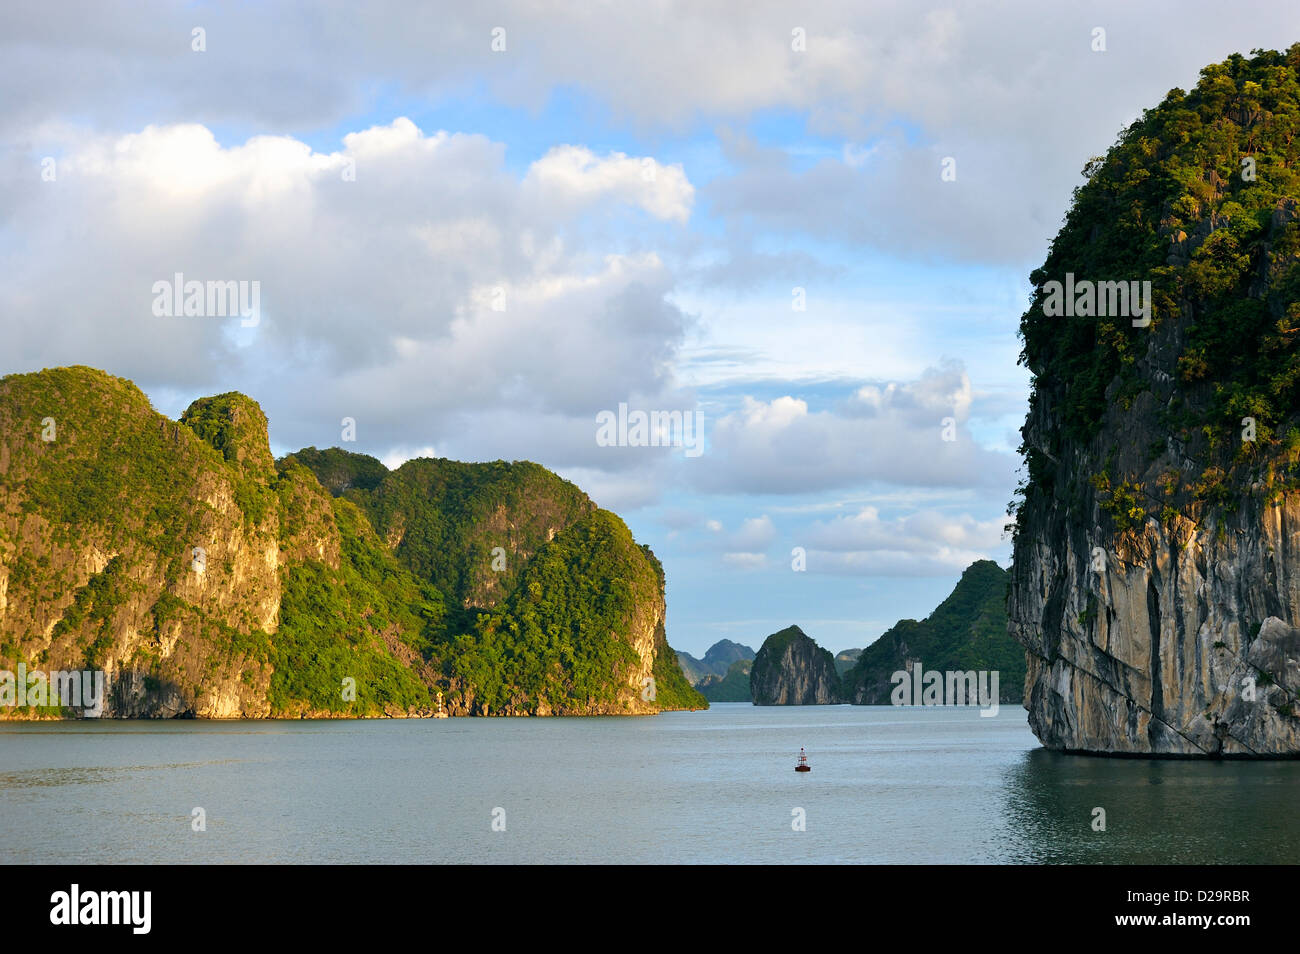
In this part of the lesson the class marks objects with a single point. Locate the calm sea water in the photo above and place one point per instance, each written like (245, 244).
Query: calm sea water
(888, 785)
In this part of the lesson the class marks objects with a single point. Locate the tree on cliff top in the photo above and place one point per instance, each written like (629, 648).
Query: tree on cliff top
(1201, 197)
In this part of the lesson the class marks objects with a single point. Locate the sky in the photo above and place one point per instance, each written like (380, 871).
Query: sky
(476, 228)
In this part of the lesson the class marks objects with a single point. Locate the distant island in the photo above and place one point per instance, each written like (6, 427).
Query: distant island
(790, 669)
(209, 580)
(717, 661)
(967, 632)
(731, 687)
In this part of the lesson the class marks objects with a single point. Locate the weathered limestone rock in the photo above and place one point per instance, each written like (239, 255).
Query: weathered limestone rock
(1172, 638)
(792, 670)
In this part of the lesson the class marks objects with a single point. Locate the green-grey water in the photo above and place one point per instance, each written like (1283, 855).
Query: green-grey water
(888, 785)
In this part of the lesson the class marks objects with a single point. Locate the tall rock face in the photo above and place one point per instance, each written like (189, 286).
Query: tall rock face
(155, 550)
(209, 580)
(790, 669)
(967, 632)
(1156, 577)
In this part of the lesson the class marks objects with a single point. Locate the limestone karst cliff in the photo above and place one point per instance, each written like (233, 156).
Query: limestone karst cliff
(209, 580)
(790, 669)
(967, 632)
(1156, 576)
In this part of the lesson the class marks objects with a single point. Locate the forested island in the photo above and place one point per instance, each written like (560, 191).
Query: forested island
(208, 579)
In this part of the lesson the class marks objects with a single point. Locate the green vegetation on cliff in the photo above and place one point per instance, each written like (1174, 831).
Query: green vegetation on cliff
(447, 518)
(567, 627)
(544, 585)
(672, 691)
(367, 620)
(1176, 170)
(1152, 553)
(181, 557)
(733, 687)
(778, 642)
(339, 470)
(1200, 197)
(234, 426)
(967, 631)
(92, 447)
(564, 630)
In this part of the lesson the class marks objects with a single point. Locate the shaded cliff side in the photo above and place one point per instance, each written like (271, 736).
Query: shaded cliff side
(966, 632)
(846, 660)
(732, 687)
(1156, 577)
(790, 669)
